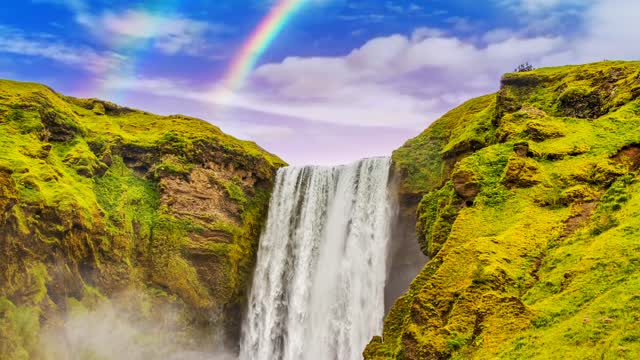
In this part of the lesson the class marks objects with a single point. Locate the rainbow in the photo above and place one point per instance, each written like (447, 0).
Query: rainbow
(233, 78)
(246, 59)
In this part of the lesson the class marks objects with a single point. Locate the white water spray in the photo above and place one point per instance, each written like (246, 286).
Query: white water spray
(318, 289)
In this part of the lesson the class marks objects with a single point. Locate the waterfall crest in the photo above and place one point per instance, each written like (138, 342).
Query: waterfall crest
(318, 288)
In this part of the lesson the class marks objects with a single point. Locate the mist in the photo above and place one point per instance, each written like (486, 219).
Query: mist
(122, 328)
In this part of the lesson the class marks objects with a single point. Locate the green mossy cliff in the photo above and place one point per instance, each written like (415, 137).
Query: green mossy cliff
(528, 209)
(98, 200)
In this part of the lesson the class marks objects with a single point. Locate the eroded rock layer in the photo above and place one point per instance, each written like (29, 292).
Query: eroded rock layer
(99, 200)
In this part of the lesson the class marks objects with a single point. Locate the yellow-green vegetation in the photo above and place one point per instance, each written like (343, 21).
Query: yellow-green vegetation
(98, 199)
(529, 211)
(19, 327)
(422, 160)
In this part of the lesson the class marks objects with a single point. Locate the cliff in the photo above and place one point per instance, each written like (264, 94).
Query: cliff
(100, 200)
(528, 208)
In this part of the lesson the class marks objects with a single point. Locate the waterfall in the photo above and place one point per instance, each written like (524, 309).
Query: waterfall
(318, 288)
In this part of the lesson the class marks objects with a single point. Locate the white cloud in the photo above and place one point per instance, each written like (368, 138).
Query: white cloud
(395, 80)
(498, 35)
(14, 41)
(406, 81)
(613, 31)
(426, 32)
(169, 33)
(537, 7)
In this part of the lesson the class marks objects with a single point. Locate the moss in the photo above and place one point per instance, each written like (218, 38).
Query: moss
(437, 211)
(611, 202)
(83, 161)
(25, 121)
(98, 109)
(243, 254)
(540, 130)
(234, 190)
(592, 306)
(172, 166)
(19, 328)
(421, 160)
(521, 172)
(544, 260)
(87, 212)
(456, 341)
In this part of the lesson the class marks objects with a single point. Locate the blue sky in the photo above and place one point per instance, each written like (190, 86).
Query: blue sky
(345, 79)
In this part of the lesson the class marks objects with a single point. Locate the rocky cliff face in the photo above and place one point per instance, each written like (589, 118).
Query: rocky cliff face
(99, 200)
(528, 205)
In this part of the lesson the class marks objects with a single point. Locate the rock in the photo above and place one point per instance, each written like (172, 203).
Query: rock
(580, 102)
(44, 151)
(628, 156)
(532, 112)
(200, 196)
(8, 192)
(83, 216)
(495, 287)
(603, 173)
(107, 159)
(98, 109)
(539, 130)
(466, 184)
(521, 172)
(521, 149)
(59, 127)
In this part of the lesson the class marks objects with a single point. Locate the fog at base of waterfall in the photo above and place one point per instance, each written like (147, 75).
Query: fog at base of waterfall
(318, 288)
(117, 328)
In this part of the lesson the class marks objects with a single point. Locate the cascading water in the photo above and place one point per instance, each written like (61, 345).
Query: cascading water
(318, 289)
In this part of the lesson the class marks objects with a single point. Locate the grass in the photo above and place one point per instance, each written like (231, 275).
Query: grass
(540, 265)
(86, 210)
(461, 130)
(19, 326)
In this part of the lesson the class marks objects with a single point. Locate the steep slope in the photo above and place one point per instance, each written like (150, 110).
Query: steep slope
(528, 208)
(99, 200)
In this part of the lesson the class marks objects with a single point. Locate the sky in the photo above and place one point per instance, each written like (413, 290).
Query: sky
(341, 80)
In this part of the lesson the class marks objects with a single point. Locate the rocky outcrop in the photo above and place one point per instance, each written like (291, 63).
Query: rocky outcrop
(521, 172)
(531, 227)
(466, 185)
(100, 200)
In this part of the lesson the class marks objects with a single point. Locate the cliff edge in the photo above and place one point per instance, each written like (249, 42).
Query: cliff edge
(100, 201)
(529, 209)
